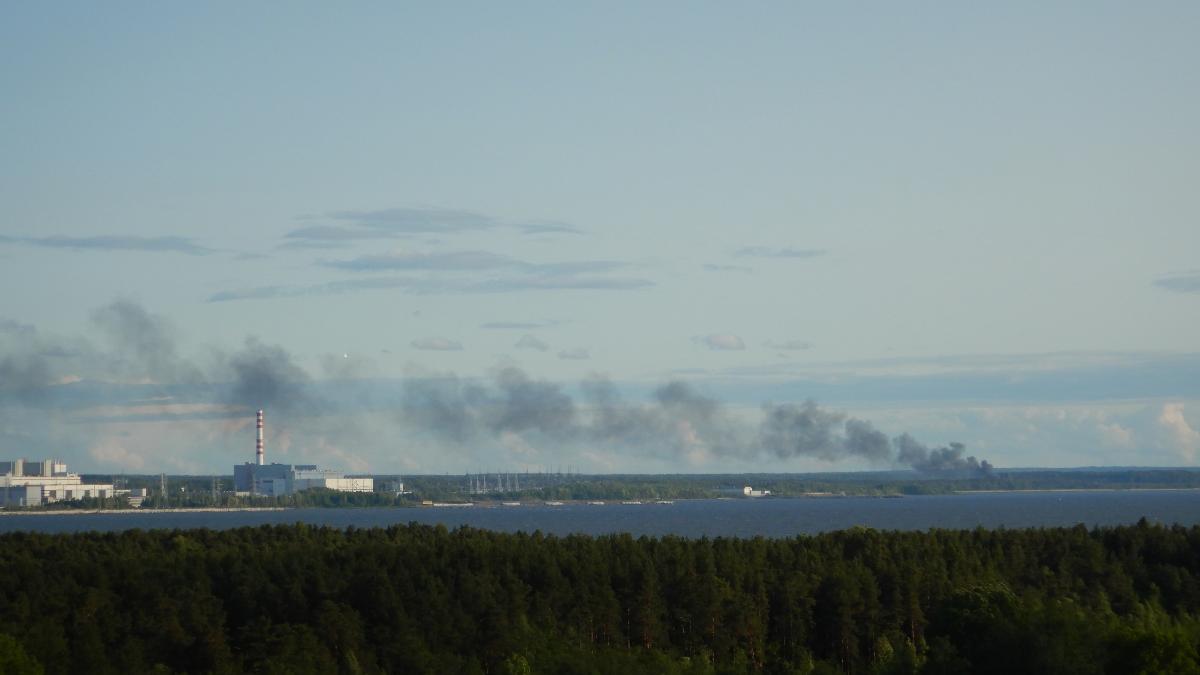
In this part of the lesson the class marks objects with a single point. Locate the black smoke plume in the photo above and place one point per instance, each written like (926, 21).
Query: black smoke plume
(23, 379)
(140, 348)
(141, 345)
(938, 460)
(676, 419)
(266, 376)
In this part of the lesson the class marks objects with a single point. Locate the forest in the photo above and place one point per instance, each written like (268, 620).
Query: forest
(421, 599)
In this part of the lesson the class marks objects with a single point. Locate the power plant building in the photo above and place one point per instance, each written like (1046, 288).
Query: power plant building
(274, 480)
(25, 482)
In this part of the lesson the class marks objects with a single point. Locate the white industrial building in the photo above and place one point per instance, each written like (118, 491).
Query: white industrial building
(25, 482)
(274, 480)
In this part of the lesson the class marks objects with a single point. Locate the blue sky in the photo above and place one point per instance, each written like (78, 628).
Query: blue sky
(968, 223)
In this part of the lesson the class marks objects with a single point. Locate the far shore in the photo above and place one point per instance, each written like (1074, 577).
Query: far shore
(645, 500)
(201, 509)
(1101, 489)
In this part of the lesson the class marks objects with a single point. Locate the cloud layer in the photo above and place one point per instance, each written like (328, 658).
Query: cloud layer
(769, 252)
(128, 381)
(114, 243)
(437, 344)
(530, 342)
(355, 225)
(1188, 282)
(436, 286)
(789, 345)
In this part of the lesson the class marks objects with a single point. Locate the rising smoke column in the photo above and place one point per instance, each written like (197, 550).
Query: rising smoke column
(267, 376)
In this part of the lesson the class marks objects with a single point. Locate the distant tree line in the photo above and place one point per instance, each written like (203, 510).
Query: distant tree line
(420, 599)
(197, 491)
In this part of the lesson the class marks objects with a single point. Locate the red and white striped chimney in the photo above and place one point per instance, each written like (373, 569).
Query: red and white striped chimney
(258, 448)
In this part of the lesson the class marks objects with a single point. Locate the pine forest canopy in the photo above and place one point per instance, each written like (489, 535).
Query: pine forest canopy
(419, 599)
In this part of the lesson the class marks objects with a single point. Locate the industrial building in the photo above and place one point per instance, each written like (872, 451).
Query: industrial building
(25, 482)
(274, 480)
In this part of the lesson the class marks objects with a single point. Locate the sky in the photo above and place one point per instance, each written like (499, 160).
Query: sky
(620, 237)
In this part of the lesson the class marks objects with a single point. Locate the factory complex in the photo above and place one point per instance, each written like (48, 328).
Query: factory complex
(29, 483)
(275, 480)
(26, 483)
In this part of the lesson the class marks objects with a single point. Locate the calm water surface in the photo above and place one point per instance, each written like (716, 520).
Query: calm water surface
(694, 518)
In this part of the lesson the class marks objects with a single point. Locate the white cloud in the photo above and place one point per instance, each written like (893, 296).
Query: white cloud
(111, 452)
(1115, 435)
(1126, 433)
(1184, 439)
(721, 342)
(577, 354)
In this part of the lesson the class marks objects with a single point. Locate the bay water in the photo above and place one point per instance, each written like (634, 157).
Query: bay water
(769, 517)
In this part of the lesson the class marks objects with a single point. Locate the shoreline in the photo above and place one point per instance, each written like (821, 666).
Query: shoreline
(648, 502)
(200, 509)
(1112, 489)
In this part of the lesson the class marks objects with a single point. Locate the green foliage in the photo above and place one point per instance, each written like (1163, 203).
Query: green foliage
(419, 599)
(14, 660)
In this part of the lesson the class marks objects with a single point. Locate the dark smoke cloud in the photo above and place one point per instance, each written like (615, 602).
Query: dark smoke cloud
(806, 430)
(143, 344)
(526, 404)
(26, 366)
(864, 440)
(24, 379)
(139, 348)
(694, 420)
(945, 459)
(266, 376)
(458, 411)
(630, 426)
(791, 430)
(443, 406)
(677, 419)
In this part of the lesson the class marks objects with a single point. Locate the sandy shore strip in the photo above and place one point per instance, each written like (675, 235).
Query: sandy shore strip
(1103, 489)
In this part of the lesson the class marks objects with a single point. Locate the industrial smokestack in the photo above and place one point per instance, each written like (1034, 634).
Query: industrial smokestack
(258, 448)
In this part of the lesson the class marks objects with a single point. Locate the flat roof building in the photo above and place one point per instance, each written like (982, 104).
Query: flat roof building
(274, 480)
(24, 482)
